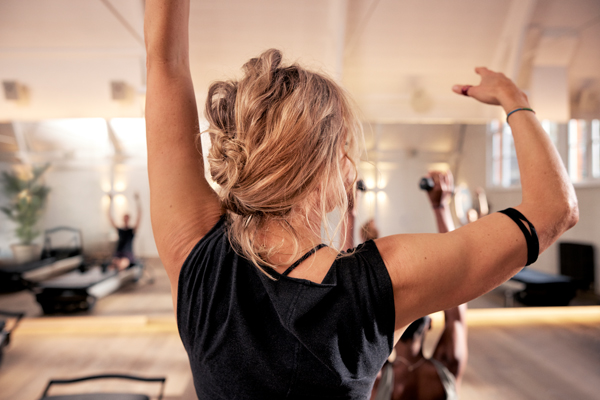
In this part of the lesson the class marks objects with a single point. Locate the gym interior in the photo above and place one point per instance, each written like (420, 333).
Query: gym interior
(72, 135)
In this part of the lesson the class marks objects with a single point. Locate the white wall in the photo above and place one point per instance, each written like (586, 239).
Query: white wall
(399, 156)
(78, 199)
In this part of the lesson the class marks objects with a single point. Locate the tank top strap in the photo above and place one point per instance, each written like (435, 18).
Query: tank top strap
(304, 257)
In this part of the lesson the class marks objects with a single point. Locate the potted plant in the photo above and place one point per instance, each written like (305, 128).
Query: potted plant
(27, 198)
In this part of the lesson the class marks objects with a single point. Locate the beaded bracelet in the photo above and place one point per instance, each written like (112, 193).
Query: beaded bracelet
(518, 109)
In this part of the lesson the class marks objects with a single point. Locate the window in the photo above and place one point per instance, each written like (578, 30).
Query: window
(505, 170)
(584, 150)
(504, 165)
(596, 148)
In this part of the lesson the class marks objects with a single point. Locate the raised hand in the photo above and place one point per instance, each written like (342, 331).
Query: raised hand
(443, 188)
(496, 89)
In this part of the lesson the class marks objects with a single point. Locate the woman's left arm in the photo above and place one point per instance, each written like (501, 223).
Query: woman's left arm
(183, 205)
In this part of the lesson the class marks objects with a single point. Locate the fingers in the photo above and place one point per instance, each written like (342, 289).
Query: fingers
(457, 89)
(481, 70)
(443, 182)
(450, 181)
(435, 177)
(464, 89)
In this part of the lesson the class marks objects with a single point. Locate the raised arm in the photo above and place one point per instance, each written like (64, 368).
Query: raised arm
(183, 206)
(109, 211)
(451, 349)
(138, 206)
(433, 272)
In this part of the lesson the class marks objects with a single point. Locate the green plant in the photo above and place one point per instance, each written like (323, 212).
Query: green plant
(27, 198)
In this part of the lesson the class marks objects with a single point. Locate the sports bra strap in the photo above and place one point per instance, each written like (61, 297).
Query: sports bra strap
(304, 257)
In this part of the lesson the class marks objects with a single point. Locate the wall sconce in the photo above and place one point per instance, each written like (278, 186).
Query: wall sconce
(11, 90)
(15, 91)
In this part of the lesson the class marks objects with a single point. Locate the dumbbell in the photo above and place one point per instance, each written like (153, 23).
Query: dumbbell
(426, 184)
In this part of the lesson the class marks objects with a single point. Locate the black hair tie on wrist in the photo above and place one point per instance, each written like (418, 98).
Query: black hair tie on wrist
(533, 244)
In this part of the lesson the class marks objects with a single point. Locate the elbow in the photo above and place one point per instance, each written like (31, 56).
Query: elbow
(568, 213)
(572, 213)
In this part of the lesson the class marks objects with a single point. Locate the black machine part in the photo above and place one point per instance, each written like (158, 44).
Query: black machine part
(577, 262)
(5, 334)
(18, 317)
(426, 184)
(105, 396)
(63, 252)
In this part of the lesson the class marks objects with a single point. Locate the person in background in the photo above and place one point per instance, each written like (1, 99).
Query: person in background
(408, 374)
(123, 256)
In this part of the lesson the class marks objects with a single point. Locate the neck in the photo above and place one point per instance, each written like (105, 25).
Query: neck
(277, 235)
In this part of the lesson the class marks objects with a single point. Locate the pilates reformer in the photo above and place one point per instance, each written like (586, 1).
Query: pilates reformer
(79, 290)
(542, 289)
(5, 332)
(62, 282)
(54, 261)
(103, 396)
(535, 288)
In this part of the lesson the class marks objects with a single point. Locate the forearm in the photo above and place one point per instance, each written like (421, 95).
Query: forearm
(454, 314)
(549, 199)
(452, 349)
(166, 31)
(443, 218)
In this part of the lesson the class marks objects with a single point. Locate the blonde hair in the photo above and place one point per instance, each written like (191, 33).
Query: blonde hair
(280, 136)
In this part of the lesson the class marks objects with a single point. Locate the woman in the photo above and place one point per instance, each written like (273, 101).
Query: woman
(284, 141)
(123, 256)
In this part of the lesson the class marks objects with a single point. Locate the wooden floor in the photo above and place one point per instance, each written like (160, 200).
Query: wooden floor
(120, 335)
(533, 362)
(133, 331)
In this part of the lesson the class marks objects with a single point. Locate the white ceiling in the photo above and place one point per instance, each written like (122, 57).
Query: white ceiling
(398, 58)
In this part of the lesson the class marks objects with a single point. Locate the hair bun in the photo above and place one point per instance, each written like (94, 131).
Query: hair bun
(277, 137)
(229, 158)
(266, 64)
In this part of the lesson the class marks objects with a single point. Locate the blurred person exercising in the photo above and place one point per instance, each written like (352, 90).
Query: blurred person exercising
(408, 374)
(264, 308)
(123, 256)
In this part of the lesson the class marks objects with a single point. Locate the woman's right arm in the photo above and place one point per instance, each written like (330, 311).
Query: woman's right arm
(432, 272)
(183, 206)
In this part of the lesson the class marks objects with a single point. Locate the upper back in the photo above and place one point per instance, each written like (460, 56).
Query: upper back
(250, 336)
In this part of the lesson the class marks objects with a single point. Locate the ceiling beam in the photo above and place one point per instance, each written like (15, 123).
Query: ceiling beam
(507, 57)
(139, 37)
(338, 16)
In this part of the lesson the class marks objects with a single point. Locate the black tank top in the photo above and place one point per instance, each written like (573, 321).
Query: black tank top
(125, 243)
(251, 337)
